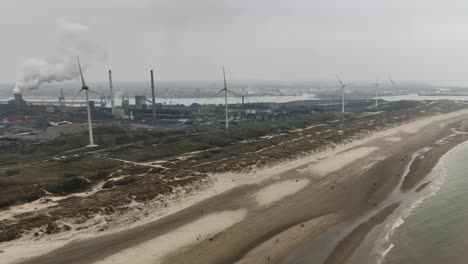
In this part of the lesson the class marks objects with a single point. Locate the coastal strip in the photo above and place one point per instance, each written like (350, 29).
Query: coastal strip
(358, 187)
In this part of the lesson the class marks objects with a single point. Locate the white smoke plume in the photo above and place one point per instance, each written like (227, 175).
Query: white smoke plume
(60, 65)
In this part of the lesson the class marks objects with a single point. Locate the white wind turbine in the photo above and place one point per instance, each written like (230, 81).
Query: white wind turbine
(226, 91)
(393, 89)
(343, 86)
(85, 88)
(376, 93)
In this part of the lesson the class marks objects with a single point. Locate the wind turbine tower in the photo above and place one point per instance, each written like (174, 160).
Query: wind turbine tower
(153, 99)
(225, 99)
(393, 89)
(343, 86)
(85, 88)
(111, 92)
(376, 93)
(62, 99)
(226, 91)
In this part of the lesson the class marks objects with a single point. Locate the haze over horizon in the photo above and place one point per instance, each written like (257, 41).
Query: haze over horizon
(256, 39)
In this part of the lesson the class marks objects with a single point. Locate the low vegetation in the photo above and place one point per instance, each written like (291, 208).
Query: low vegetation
(175, 160)
(58, 177)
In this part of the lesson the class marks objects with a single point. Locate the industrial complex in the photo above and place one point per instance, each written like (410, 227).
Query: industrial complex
(22, 117)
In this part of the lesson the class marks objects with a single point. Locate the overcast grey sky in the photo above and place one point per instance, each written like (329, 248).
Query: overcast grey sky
(255, 39)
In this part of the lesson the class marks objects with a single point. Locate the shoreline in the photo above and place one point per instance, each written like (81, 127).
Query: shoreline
(345, 193)
(346, 247)
(427, 187)
(415, 181)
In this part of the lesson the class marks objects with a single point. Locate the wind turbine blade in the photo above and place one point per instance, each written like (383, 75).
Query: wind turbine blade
(81, 72)
(339, 81)
(79, 92)
(224, 76)
(96, 92)
(220, 91)
(236, 94)
(211, 98)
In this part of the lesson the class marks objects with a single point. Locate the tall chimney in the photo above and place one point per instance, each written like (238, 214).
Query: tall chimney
(152, 97)
(111, 93)
(61, 99)
(18, 97)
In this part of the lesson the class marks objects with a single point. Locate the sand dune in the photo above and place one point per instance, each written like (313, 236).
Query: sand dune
(327, 163)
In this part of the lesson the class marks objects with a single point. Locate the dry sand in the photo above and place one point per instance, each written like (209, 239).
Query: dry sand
(342, 193)
(394, 139)
(279, 190)
(338, 161)
(152, 251)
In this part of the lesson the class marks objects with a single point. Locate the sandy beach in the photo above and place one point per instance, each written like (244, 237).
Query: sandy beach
(264, 216)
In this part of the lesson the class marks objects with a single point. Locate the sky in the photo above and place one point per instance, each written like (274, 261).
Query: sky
(423, 40)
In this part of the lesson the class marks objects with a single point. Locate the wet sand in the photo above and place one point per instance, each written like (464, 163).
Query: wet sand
(276, 248)
(346, 247)
(422, 167)
(423, 186)
(418, 169)
(331, 197)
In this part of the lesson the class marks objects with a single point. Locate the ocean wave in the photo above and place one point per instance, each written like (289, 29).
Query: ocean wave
(438, 177)
(395, 225)
(384, 253)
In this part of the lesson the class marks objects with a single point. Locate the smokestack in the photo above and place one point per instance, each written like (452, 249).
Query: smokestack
(16, 90)
(111, 93)
(61, 99)
(18, 97)
(17, 94)
(152, 97)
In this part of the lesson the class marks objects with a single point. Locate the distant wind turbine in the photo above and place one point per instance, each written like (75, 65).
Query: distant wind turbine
(111, 94)
(393, 89)
(226, 91)
(343, 86)
(85, 88)
(376, 93)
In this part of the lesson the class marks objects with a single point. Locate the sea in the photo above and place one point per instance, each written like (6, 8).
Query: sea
(429, 227)
(434, 228)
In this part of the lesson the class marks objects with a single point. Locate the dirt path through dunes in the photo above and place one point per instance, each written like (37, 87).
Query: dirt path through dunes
(335, 195)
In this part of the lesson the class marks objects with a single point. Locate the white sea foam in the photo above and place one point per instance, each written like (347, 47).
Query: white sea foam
(221, 184)
(384, 253)
(399, 221)
(438, 177)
